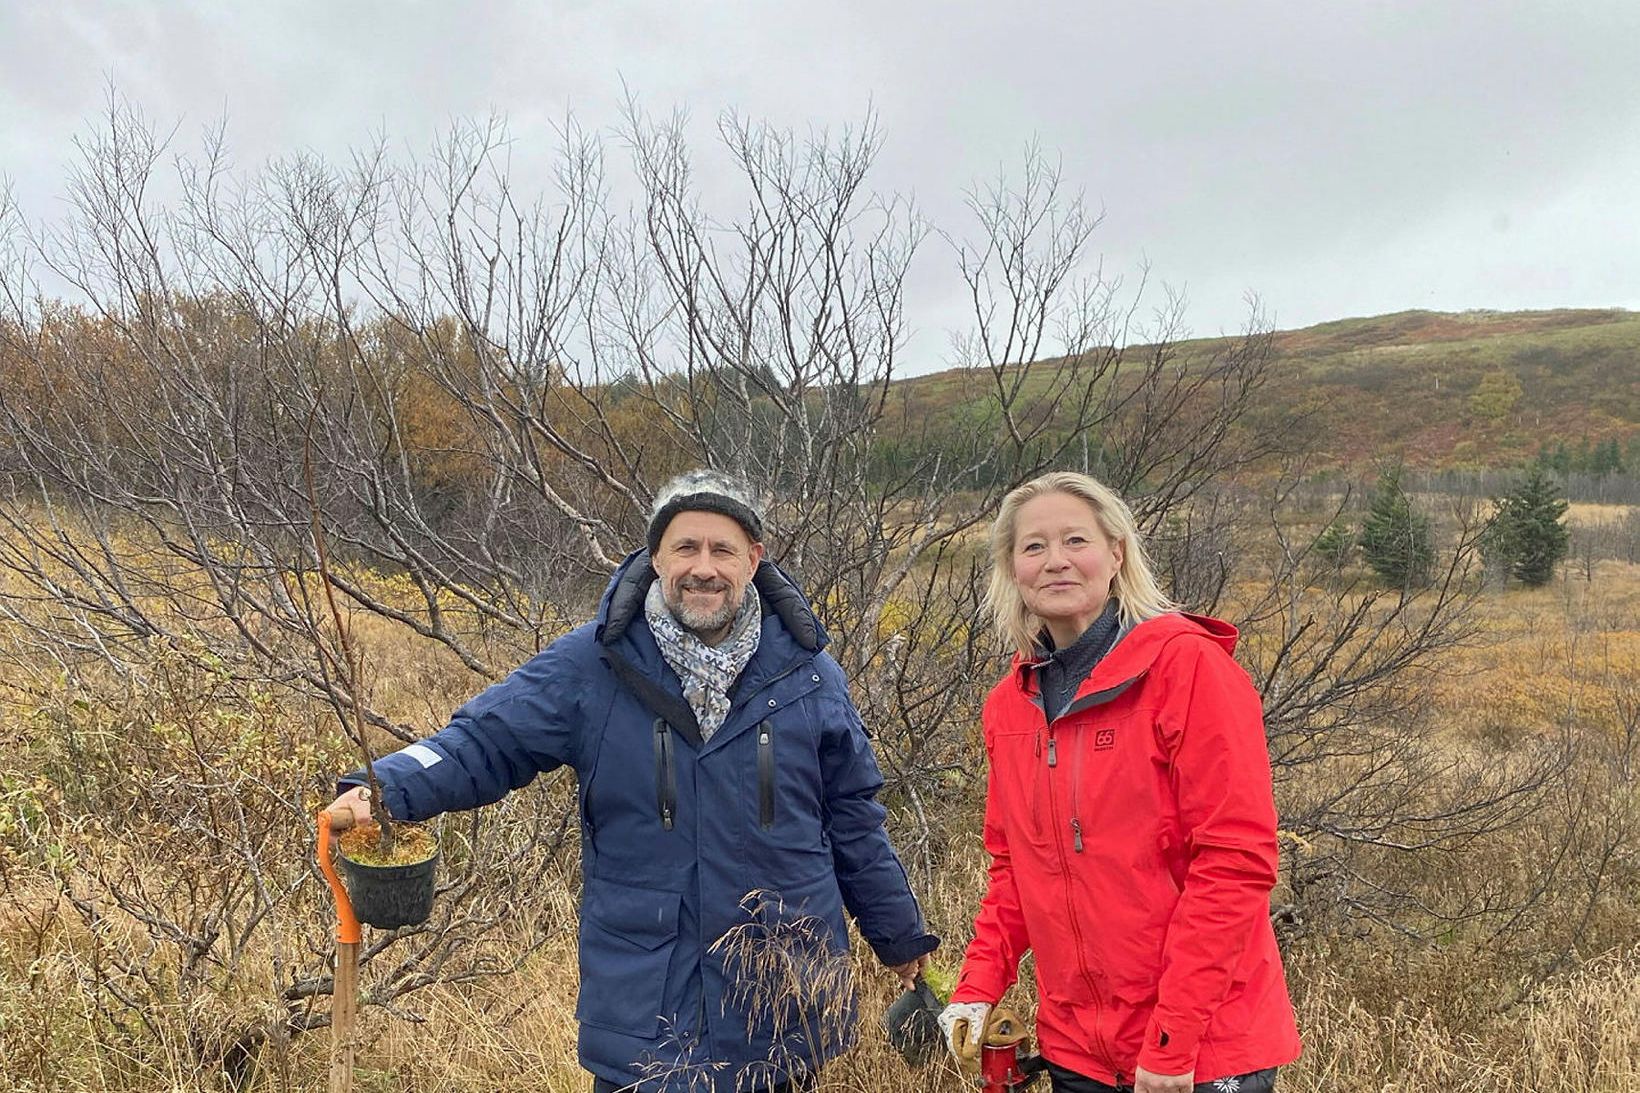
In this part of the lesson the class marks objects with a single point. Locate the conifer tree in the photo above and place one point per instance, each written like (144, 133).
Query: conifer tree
(1607, 458)
(1526, 533)
(1335, 544)
(1395, 539)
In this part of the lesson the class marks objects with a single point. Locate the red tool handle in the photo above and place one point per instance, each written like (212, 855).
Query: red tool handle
(1002, 1070)
(997, 1067)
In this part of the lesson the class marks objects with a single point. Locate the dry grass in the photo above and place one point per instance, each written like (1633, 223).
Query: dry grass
(1378, 1011)
(1589, 514)
(1581, 1035)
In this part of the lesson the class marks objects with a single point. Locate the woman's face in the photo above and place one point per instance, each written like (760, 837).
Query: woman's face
(1063, 563)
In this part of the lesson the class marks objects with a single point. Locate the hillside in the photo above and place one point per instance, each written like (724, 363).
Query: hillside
(1472, 389)
(1475, 388)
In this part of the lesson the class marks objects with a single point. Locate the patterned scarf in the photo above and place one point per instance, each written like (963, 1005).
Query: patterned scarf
(707, 671)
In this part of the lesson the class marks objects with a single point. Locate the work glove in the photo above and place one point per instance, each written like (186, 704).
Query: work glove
(964, 1026)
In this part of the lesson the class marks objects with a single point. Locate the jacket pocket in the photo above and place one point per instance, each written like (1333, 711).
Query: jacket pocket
(628, 936)
(666, 775)
(765, 775)
(781, 800)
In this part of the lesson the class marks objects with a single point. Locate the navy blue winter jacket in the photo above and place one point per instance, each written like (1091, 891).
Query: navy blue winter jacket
(715, 875)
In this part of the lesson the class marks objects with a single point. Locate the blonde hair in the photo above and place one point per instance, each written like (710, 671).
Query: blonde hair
(1134, 584)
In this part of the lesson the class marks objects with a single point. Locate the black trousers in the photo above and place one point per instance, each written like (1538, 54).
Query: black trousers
(801, 1085)
(1259, 1081)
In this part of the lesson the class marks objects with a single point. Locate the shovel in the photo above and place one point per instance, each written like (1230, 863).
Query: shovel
(913, 1024)
(344, 1005)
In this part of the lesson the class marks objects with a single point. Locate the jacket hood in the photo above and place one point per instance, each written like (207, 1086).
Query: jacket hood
(622, 601)
(1135, 651)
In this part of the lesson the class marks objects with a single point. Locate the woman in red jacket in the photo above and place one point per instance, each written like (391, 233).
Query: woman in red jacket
(1129, 818)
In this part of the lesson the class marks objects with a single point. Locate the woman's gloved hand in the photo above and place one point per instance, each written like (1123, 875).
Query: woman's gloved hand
(964, 1026)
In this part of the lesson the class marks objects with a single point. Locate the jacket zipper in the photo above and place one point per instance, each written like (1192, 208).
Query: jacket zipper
(1076, 787)
(1076, 929)
(1076, 706)
(1098, 699)
(666, 781)
(763, 733)
(765, 774)
(1065, 871)
(765, 753)
(1076, 770)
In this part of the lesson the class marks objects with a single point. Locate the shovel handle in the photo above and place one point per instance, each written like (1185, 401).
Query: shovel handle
(347, 924)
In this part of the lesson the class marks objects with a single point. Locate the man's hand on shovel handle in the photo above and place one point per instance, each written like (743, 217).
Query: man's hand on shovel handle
(350, 809)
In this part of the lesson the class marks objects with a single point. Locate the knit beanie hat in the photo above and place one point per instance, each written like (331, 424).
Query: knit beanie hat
(705, 491)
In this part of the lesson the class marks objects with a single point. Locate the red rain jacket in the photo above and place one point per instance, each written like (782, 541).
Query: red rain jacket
(1133, 847)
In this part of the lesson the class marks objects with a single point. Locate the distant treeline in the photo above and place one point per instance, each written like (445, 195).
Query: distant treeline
(1598, 460)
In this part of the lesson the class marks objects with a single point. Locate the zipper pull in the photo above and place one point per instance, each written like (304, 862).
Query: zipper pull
(1076, 834)
(666, 819)
(1053, 753)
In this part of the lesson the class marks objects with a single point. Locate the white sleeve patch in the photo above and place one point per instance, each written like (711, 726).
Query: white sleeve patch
(422, 754)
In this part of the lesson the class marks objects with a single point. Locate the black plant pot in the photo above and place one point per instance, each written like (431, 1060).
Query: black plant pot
(389, 896)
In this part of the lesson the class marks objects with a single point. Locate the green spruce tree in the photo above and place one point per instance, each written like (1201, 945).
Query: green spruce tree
(1526, 534)
(1561, 460)
(1606, 459)
(1395, 539)
(1335, 544)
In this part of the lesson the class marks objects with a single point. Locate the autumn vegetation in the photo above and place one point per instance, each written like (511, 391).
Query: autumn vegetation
(466, 392)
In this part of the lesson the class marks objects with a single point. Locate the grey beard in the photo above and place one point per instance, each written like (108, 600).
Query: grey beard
(700, 623)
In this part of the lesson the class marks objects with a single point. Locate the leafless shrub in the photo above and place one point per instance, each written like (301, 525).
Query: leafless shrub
(175, 818)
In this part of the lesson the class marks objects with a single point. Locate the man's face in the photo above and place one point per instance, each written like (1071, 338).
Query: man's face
(704, 562)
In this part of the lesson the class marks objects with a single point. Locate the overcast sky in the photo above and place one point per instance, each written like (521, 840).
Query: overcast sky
(1337, 158)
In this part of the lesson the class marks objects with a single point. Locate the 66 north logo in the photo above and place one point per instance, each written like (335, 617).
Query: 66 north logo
(1104, 739)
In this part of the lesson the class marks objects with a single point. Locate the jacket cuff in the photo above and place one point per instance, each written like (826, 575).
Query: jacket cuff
(893, 953)
(394, 799)
(974, 985)
(1170, 1047)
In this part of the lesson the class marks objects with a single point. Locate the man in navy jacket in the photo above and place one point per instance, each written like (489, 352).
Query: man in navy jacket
(728, 809)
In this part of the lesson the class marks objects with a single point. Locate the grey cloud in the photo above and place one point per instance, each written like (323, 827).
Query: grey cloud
(1340, 157)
